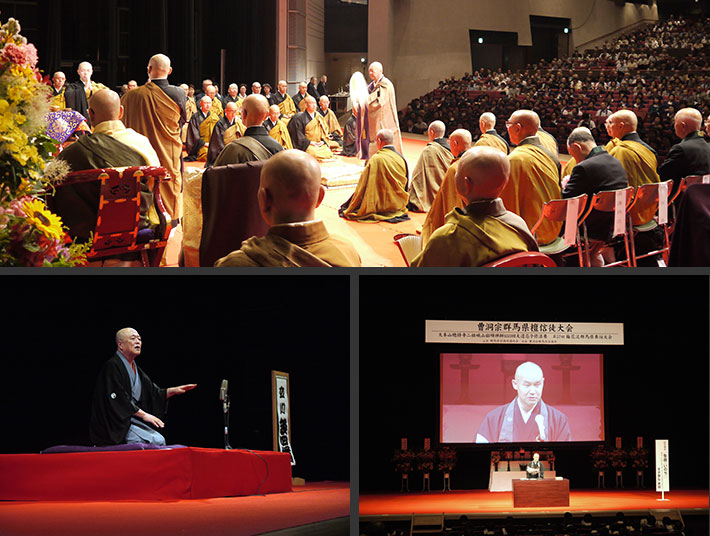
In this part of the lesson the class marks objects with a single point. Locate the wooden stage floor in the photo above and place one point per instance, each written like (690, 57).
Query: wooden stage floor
(481, 502)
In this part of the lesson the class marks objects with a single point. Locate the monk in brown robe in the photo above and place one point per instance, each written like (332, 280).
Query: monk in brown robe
(447, 198)
(284, 101)
(381, 193)
(196, 140)
(277, 127)
(290, 190)
(431, 167)
(309, 133)
(483, 231)
(534, 174)
(489, 136)
(382, 107)
(150, 111)
(335, 132)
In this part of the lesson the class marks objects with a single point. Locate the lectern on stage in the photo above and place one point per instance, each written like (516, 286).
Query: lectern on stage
(540, 492)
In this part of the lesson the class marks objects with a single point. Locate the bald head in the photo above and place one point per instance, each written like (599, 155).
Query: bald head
(310, 104)
(522, 124)
(255, 110)
(621, 123)
(230, 110)
(486, 122)
(85, 70)
(384, 137)
(159, 67)
(105, 105)
(687, 121)
(482, 173)
(437, 129)
(529, 382)
(375, 71)
(290, 187)
(205, 104)
(460, 141)
(274, 112)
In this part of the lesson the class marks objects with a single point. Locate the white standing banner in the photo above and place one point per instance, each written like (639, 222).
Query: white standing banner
(523, 332)
(281, 413)
(662, 469)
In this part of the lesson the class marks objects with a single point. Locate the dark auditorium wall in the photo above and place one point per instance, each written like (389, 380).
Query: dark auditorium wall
(655, 385)
(58, 330)
(119, 36)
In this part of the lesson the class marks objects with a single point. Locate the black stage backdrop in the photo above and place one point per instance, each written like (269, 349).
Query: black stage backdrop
(58, 330)
(656, 385)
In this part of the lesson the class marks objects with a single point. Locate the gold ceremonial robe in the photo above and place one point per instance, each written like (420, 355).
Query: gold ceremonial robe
(533, 181)
(217, 108)
(294, 244)
(206, 128)
(549, 142)
(234, 132)
(149, 111)
(428, 175)
(287, 106)
(331, 123)
(381, 192)
(447, 198)
(58, 99)
(491, 140)
(482, 232)
(640, 165)
(281, 135)
(316, 132)
(569, 166)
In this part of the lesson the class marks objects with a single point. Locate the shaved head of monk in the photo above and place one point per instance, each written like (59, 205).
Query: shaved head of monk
(460, 141)
(482, 173)
(255, 110)
(105, 105)
(621, 123)
(687, 121)
(159, 67)
(522, 124)
(290, 188)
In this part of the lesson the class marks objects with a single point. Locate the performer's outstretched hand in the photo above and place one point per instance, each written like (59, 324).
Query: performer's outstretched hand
(181, 389)
(150, 419)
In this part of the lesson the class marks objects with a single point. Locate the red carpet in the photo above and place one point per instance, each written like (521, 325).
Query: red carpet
(183, 473)
(483, 501)
(234, 516)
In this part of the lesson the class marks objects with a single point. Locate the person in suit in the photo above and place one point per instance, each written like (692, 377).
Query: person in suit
(596, 171)
(312, 89)
(323, 86)
(691, 156)
(535, 468)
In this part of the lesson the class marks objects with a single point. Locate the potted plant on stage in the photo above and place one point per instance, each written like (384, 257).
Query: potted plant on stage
(507, 456)
(495, 459)
(425, 463)
(600, 462)
(404, 464)
(618, 459)
(639, 461)
(551, 460)
(447, 461)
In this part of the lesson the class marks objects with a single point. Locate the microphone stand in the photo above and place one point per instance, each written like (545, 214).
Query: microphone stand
(225, 407)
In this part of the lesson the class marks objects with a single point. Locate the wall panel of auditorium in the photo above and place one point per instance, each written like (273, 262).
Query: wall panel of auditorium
(421, 42)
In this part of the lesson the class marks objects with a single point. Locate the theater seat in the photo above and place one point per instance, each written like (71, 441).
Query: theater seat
(230, 210)
(555, 210)
(523, 259)
(116, 227)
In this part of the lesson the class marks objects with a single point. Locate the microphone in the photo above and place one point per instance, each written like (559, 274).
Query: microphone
(223, 390)
(540, 420)
(224, 398)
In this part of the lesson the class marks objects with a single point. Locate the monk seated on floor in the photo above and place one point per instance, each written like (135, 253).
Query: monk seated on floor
(277, 127)
(381, 192)
(199, 131)
(430, 169)
(309, 132)
(483, 231)
(289, 193)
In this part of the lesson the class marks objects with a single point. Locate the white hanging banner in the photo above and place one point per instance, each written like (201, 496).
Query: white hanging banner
(571, 222)
(706, 179)
(663, 203)
(662, 467)
(529, 332)
(281, 413)
(619, 212)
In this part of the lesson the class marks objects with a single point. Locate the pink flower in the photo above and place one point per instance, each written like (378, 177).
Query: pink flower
(20, 54)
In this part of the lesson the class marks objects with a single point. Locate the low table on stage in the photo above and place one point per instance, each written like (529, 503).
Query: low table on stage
(540, 492)
(501, 477)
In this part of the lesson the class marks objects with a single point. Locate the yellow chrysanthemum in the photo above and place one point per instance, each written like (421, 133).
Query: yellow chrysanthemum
(49, 224)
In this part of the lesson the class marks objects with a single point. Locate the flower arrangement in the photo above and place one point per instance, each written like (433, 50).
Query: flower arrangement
(404, 460)
(447, 459)
(495, 458)
(30, 234)
(600, 457)
(639, 458)
(425, 460)
(618, 458)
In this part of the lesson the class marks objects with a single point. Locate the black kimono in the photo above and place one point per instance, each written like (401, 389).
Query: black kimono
(113, 406)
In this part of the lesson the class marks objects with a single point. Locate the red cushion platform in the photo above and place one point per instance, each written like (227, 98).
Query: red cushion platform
(184, 473)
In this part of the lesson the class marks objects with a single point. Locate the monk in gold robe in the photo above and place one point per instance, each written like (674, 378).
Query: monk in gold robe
(299, 99)
(335, 132)
(196, 140)
(57, 101)
(217, 140)
(431, 167)
(447, 197)
(309, 133)
(290, 190)
(489, 136)
(534, 175)
(150, 111)
(638, 158)
(277, 128)
(381, 193)
(483, 231)
(217, 108)
(284, 101)
(549, 142)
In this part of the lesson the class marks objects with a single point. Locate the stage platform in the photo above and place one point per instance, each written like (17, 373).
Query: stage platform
(483, 502)
(180, 473)
(316, 508)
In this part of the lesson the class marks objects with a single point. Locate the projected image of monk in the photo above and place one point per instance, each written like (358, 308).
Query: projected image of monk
(521, 398)
(527, 417)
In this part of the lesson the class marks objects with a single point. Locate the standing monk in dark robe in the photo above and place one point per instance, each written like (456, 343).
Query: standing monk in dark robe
(217, 138)
(527, 418)
(127, 406)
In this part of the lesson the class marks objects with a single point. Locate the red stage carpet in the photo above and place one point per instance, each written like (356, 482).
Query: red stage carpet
(483, 501)
(182, 473)
(236, 516)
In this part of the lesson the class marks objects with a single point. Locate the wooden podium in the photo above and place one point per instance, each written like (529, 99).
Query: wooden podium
(544, 492)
